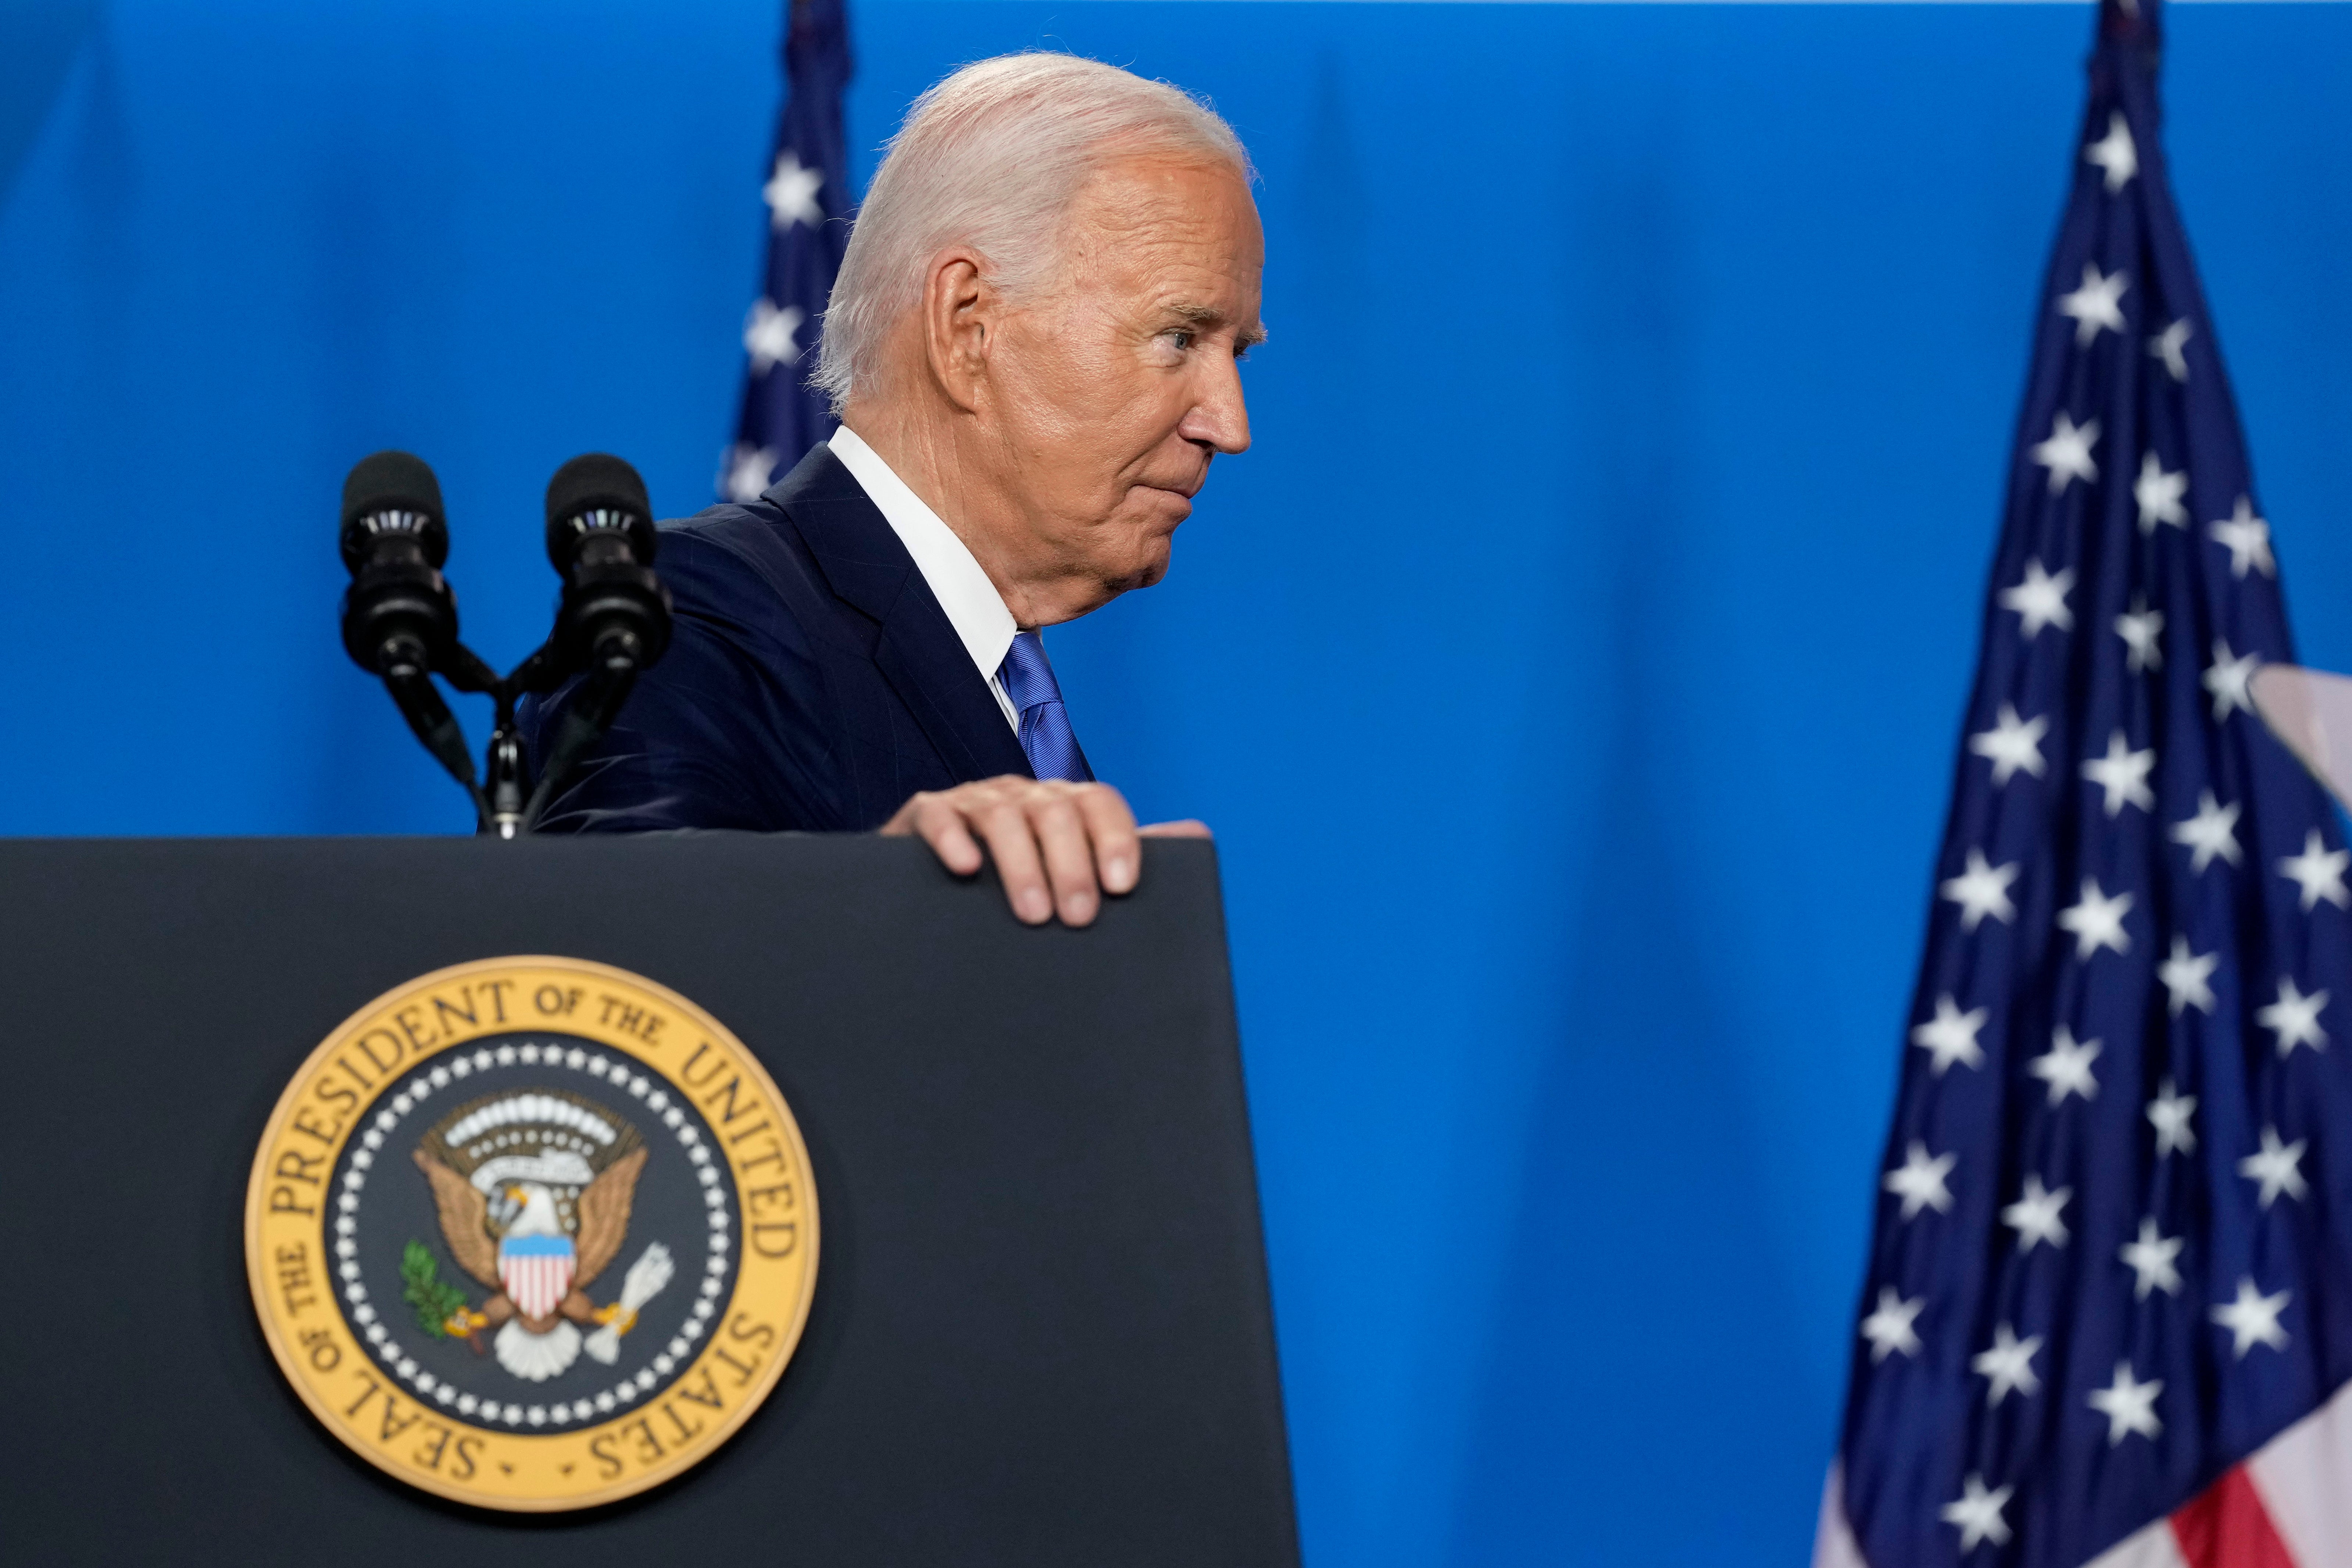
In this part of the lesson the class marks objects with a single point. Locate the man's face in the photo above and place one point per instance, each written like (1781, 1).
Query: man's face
(1120, 380)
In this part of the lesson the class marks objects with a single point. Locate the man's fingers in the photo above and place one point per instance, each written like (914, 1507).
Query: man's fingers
(943, 827)
(1058, 848)
(1110, 824)
(1013, 845)
(935, 820)
(1069, 856)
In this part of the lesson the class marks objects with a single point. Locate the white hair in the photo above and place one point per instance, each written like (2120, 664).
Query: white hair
(991, 158)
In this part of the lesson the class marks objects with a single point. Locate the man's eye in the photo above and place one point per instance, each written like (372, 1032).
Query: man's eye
(1180, 338)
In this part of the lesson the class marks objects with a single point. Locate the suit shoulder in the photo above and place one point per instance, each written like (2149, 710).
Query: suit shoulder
(728, 525)
(734, 556)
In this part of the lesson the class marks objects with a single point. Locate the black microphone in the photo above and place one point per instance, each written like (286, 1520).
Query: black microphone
(615, 614)
(399, 615)
(613, 620)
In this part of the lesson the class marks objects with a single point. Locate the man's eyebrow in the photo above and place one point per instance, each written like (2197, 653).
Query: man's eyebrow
(1209, 316)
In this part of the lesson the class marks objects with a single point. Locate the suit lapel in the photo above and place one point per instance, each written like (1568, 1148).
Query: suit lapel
(918, 651)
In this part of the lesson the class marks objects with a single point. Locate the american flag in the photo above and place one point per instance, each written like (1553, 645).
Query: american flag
(2108, 1315)
(807, 194)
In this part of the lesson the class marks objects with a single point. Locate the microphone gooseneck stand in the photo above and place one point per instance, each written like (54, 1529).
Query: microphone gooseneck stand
(400, 623)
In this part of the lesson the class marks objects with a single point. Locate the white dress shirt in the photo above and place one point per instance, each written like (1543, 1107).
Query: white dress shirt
(974, 607)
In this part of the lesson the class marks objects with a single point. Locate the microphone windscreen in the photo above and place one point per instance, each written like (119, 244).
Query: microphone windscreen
(393, 482)
(590, 484)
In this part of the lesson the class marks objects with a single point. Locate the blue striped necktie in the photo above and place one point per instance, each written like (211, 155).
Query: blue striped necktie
(1047, 738)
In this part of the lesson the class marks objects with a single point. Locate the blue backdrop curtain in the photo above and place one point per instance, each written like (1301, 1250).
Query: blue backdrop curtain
(1572, 671)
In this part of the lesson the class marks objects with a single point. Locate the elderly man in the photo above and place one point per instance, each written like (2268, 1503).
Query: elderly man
(1032, 347)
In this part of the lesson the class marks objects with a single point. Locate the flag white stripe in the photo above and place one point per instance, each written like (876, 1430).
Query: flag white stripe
(1833, 1545)
(2304, 1476)
(2151, 1546)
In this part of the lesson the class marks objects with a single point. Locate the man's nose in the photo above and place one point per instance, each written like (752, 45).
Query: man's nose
(1218, 418)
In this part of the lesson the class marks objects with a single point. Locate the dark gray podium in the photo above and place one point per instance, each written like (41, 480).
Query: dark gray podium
(1040, 1332)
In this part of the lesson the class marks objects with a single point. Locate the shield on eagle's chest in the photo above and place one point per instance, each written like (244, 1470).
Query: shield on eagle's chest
(536, 1271)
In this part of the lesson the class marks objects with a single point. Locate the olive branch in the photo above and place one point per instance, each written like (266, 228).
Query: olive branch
(422, 1287)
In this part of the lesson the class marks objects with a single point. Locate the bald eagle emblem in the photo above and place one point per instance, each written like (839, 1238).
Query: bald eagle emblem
(533, 1191)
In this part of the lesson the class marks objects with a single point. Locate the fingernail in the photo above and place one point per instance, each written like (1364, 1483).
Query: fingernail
(1078, 909)
(1118, 873)
(1033, 906)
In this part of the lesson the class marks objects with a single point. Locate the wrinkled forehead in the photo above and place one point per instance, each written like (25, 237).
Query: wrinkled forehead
(1155, 224)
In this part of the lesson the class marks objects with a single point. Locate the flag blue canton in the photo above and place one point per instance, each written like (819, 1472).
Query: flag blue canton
(807, 194)
(2113, 1255)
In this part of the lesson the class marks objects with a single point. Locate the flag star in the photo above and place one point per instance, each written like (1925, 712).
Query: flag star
(2035, 1216)
(2128, 1404)
(2123, 774)
(2187, 976)
(2040, 600)
(2294, 1017)
(2279, 1168)
(768, 335)
(1919, 1181)
(2067, 453)
(2012, 744)
(2211, 832)
(2253, 1319)
(1978, 1514)
(749, 471)
(2066, 1067)
(2097, 303)
(2115, 154)
(2227, 679)
(2247, 538)
(1889, 1330)
(2140, 630)
(2171, 1111)
(2318, 872)
(2097, 921)
(791, 192)
(1981, 890)
(2009, 1363)
(1950, 1035)
(2167, 346)
(2152, 1259)
(2159, 495)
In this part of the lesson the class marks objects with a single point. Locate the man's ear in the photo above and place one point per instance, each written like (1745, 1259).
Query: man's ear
(962, 313)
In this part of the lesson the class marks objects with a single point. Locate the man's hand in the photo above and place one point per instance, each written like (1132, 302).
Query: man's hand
(1058, 847)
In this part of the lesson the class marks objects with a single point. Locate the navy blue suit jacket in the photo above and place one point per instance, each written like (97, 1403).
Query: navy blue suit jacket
(813, 682)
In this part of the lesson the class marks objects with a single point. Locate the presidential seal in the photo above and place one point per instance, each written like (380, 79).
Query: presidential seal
(531, 1232)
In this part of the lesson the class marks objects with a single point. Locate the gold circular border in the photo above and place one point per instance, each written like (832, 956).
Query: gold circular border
(258, 1270)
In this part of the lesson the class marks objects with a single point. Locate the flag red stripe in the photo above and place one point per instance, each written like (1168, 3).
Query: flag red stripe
(2227, 1527)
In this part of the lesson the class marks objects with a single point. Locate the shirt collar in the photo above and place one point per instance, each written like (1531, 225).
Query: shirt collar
(973, 605)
